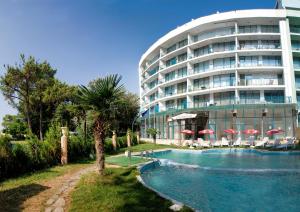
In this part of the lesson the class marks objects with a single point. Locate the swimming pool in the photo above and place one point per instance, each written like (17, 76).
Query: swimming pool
(227, 180)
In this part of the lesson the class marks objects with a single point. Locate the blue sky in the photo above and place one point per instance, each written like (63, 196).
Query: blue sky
(85, 39)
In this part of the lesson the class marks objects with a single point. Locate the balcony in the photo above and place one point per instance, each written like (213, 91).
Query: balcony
(259, 47)
(259, 82)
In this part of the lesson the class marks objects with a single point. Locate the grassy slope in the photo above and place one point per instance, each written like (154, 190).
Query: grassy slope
(118, 190)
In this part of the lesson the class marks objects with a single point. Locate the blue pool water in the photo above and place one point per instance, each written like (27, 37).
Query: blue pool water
(224, 180)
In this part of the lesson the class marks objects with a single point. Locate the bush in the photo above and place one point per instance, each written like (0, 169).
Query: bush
(17, 159)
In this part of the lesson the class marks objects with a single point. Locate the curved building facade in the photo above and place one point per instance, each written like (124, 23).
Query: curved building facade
(235, 70)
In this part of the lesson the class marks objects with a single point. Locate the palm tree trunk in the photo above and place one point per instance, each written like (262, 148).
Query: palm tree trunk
(99, 146)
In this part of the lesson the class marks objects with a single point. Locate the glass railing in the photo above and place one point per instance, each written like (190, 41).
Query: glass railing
(249, 47)
(296, 46)
(214, 33)
(261, 82)
(295, 28)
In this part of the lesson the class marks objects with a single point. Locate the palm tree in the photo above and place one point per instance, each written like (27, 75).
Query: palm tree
(102, 98)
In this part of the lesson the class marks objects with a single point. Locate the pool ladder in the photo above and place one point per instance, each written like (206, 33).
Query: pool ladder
(147, 154)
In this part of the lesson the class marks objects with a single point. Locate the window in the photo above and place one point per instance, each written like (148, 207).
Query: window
(201, 101)
(221, 47)
(274, 96)
(224, 80)
(271, 60)
(172, 61)
(156, 57)
(249, 97)
(246, 61)
(201, 67)
(225, 98)
(170, 76)
(182, 43)
(170, 104)
(170, 90)
(202, 83)
(222, 63)
(201, 51)
(153, 71)
(214, 33)
(171, 48)
(269, 29)
(182, 72)
(248, 44)
(270, 44)
(153, 96)
(181, 87)
(248, 29)
(182, 57)
(295, 45)
(261, 79)
(181, 103)
(297, 81)
(153, 83)
(295, 28)
(296, 62)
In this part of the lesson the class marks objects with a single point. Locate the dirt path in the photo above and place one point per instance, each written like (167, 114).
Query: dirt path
(56, 197)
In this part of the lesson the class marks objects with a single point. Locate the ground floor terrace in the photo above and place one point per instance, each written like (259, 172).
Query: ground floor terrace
(261, 117)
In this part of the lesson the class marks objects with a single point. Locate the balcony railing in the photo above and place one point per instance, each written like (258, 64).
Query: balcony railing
(254, 82)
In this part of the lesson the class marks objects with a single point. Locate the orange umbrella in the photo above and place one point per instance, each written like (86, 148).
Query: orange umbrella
(206, 131)
(250, 132)
(188, 132)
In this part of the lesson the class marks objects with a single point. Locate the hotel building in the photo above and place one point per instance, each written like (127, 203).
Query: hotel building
(238, 69)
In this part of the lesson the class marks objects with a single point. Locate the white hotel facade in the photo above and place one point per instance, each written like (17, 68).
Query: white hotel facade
(238, 69)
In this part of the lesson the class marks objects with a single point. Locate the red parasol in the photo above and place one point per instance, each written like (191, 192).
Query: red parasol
(206, 131)
(188, 132)
(274, 131)
(250, 132)
(230, 131)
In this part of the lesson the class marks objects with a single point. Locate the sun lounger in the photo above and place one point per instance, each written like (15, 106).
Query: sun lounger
(237, 142)
(216, 144)
(273, 143)
(262, 143)
(204, 143)
(245, 143)
(224, 142)
(288, 143)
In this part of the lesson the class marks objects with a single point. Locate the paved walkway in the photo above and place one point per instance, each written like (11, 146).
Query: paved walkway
(57, 202)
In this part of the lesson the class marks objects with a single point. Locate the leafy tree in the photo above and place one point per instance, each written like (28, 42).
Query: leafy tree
(23, 86)
(153, 132)
(15, 126)
(101, 97)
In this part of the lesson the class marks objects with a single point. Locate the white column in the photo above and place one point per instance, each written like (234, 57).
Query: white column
(262, 95)
(190, 101)
(189, 68)
(211, 95)
(287, 60)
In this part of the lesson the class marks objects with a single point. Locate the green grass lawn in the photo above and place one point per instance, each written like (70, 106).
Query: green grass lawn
(14, 191)
(145, 146)
(125, 161)
(118, 190)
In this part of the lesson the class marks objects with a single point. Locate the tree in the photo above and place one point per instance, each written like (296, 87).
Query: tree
(23, 86)
(101, 97)
(153, 132)
(15, 126)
